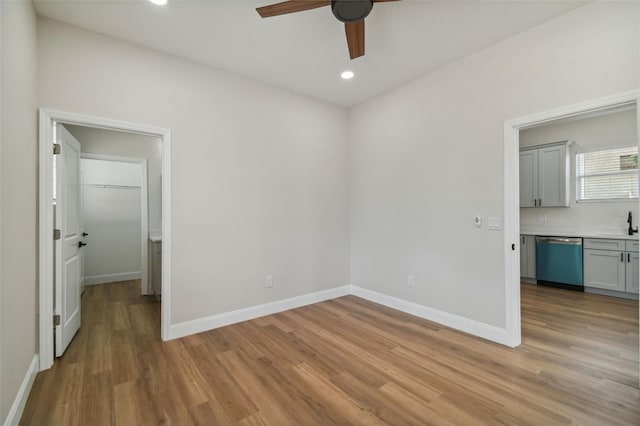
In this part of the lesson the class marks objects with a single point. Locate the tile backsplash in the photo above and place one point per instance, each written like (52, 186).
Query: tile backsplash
(606, 217)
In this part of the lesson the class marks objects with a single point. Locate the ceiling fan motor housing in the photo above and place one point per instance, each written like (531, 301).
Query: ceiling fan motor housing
(351, 10)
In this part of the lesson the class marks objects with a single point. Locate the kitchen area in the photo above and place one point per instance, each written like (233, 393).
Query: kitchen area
(579, 204)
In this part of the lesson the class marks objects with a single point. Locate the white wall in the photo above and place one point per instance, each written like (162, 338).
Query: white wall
(108, 142)
(111, 215)
(18, 198)
(428, 156)
(613, 130)
(260, 175)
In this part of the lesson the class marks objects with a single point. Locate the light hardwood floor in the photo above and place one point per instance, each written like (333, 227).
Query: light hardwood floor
(345, 361)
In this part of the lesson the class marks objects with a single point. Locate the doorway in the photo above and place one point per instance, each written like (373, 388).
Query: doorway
(48, 121)
(121, 175)
(512, 130)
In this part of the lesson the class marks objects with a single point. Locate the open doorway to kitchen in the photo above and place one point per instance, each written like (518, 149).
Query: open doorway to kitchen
(527, 130)
(110, 183)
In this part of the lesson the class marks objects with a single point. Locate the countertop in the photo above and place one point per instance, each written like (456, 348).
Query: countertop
(586, 234)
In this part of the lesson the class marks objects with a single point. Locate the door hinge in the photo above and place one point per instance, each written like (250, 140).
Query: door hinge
(56, 148)
(56, 320)
(56, 234)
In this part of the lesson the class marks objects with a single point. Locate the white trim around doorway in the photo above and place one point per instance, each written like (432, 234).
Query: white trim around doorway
(47, 119)
(512, 194)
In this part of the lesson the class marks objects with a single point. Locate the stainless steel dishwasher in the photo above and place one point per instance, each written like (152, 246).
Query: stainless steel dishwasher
(559, 262)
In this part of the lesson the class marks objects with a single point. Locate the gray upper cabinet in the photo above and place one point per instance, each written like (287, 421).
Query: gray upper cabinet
(529, 178)
(544, 175)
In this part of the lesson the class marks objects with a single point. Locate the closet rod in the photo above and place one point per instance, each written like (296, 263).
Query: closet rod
(96, 185)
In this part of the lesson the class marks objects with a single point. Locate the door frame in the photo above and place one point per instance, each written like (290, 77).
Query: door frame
(144, 211)
(47, 120)
(512, 129)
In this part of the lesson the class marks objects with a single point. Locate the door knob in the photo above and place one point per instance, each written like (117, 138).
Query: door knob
(81, 244)
(84, 234)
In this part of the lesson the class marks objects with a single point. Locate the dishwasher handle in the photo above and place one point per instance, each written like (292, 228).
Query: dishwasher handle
(559, 240)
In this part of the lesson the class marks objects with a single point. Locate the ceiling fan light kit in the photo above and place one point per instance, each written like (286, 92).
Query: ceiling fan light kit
(351, 12)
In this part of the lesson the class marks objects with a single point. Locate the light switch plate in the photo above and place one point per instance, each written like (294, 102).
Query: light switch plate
(494, 223)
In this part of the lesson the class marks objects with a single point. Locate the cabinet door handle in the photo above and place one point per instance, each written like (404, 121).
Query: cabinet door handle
(523, 240)
(621, 257)
(535, 202)
(629, 257)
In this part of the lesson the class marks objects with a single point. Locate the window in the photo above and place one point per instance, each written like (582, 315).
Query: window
(607, 175)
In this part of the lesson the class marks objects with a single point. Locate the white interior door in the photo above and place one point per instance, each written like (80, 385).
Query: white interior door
(68, 261)
(83, 236)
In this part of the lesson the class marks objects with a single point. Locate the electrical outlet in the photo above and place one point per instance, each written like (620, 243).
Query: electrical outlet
(411, 282)
(269, 281)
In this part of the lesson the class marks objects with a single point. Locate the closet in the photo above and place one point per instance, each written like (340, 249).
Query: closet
(111, 211)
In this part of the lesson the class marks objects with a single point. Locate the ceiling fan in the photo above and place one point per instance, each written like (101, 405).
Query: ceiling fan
(351, 12)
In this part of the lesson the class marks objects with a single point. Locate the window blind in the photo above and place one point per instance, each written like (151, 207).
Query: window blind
(607, 175)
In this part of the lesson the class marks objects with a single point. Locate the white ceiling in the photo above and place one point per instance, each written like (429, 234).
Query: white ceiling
(306, 52)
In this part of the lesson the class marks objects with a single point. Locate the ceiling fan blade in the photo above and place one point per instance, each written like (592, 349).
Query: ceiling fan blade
(291, 6)
(355, 38)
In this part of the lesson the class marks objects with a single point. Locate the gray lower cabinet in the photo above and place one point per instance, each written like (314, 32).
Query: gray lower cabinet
(605, 269)
(528, 256)
(611, 265)
(155, 250)
(632, 273)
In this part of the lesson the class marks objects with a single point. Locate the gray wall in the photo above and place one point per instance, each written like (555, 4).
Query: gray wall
(259, 178)
(18, 123)
(428, 157)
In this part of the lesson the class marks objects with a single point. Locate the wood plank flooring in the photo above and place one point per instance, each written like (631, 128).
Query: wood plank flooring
(345, 361)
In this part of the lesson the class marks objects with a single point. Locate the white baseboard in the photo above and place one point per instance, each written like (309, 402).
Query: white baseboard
(112, 278)
(486, 331)
(15, 413)
(220, 320)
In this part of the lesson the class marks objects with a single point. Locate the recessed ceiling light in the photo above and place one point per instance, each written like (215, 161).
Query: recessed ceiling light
(159, 2)
(347, 75)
